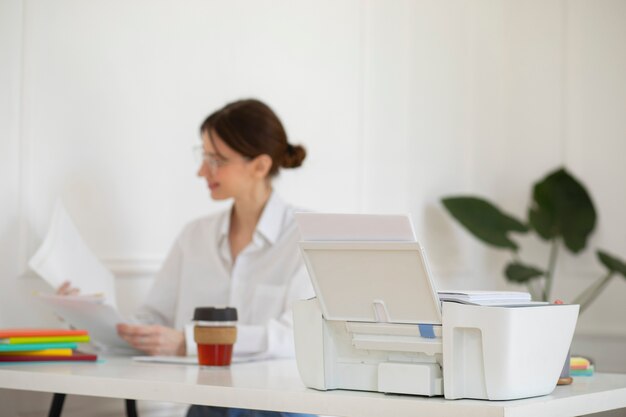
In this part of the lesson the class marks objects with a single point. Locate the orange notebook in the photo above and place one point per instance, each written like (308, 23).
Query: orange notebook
(7, 333)
(42, 352)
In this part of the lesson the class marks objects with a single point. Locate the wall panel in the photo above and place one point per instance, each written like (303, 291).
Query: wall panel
(115, 93)
(596, 132)
(439, 132)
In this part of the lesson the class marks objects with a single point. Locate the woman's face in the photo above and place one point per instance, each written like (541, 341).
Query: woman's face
(227, 173)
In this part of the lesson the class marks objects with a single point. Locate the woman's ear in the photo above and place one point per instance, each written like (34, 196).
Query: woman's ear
(262, 165)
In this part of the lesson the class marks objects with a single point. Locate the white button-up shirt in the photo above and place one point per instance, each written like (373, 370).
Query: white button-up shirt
(266, 277)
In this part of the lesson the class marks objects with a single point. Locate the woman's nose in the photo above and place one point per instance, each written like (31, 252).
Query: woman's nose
(202, 170)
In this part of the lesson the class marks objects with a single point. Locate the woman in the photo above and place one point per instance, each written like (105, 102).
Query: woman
(246, 257)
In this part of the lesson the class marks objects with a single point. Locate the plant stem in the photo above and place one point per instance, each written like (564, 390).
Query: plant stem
(554, 250)
(531, 290)
(529, 283)
(591, 292)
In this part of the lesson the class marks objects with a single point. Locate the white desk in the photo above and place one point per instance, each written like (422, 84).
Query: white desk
(275, 385)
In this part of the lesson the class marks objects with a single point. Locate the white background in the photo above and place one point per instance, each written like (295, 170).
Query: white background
(399, 103)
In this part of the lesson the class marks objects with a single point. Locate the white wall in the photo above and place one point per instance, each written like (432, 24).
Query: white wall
(398, 103)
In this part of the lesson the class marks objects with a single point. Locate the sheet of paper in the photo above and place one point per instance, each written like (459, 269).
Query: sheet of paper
(181, 360)
(97, 317)
(355, 227)
(474, 295)
(64, 256)
(193, 360)
(490, 298)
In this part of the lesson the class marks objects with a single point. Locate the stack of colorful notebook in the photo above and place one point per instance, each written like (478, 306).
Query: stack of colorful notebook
(580, 366)
(42, 345)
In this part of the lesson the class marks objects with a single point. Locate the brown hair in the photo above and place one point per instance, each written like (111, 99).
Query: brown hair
(251, 128)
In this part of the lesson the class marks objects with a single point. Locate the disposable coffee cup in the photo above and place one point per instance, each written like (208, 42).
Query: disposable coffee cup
(215, 333)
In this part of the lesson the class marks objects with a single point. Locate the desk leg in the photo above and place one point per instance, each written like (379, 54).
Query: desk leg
(57, 405)
(58, 399)
(131, 408)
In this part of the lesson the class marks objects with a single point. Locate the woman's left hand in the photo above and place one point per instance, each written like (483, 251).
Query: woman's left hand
(153, 339)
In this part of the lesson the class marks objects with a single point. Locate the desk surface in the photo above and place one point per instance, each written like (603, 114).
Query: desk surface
(276, 385)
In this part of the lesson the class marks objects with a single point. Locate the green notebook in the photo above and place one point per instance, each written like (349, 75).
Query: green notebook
(36, 346)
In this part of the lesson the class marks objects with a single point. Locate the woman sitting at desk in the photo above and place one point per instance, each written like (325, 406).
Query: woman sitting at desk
(246, 257)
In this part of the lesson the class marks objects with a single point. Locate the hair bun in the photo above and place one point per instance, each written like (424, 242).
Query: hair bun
(293, 157)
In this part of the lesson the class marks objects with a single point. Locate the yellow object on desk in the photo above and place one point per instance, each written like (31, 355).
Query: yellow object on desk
(46, 339)
(43, 352)
(579, 363)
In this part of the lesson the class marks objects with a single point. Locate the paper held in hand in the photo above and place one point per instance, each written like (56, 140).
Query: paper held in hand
(64, 256)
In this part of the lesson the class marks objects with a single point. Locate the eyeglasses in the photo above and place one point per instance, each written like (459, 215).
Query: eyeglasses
(214, 162)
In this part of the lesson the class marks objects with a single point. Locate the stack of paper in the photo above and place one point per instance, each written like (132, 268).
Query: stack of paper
(39, 345)
(489, 298)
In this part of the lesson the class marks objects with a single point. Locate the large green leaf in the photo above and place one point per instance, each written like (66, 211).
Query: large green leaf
(484, 220)
(562, 208)
(612, 263)
(520, 273)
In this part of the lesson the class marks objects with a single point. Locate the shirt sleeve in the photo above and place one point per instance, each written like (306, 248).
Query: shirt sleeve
(275, 339)
(160, 305)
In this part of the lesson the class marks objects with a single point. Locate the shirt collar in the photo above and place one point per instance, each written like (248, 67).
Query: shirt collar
(272, 218)
(225, 224)
(270, 223)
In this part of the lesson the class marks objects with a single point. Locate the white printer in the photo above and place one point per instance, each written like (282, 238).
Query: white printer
(377, 323)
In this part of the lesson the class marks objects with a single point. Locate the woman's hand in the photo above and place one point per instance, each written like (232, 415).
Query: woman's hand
(67, 289)
(153, 339)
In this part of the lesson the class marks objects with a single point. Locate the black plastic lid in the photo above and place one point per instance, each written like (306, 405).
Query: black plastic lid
(215, 314)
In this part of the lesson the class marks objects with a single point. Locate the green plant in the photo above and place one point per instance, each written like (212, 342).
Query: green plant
(561, 212)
